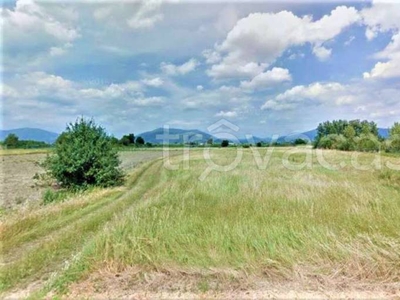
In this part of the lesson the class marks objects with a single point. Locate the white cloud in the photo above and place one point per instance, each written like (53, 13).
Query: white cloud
(226, 114)
(322, 53)
(380, 17)
(328, 93)
(199, 88)
(174, 70)
(211, 56)
(267, 79)
(260, 38)
(235, 70)
(132, 14)
(150, 101)
(29, 18)
(383, 17)
(155, 82)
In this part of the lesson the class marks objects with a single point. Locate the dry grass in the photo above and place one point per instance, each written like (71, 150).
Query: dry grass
(328, 229)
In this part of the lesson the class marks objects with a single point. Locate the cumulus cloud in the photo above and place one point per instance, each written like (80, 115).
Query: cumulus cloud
(29, 23)
(260, 38)
(328, 93)
(135, 15)
(146, 16)
(267, 79)
(174, 70)
(226, 114)
(383, 17)
(154, 82)
(322, 53)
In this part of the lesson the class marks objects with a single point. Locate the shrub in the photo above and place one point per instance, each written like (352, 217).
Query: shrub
(139, 141)
(332, 141)
(11, 141)
(368, 143)
(225, 143)
(84, 156)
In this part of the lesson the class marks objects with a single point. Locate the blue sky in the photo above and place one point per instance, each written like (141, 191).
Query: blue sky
(270, 67)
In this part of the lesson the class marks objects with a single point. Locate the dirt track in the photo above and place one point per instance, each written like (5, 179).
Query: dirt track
(16, 175)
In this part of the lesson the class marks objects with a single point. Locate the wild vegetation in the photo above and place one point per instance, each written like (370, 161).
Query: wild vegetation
(13, 142)
(84, 156)
(356, 135)
(272, 223)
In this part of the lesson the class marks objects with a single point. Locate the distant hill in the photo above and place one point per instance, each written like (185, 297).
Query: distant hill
(193, 135)
(34, 134)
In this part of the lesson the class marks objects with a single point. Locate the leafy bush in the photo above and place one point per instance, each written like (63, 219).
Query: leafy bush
(225, 143)
(332, 141)
(393, 143)
(84, 156)
(368, 143)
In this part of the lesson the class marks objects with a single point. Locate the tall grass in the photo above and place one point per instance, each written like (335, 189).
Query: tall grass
(273, 222)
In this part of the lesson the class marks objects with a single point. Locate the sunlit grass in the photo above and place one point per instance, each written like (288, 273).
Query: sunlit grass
(273, 221)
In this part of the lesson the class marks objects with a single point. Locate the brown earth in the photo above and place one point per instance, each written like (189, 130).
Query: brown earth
(18, 188)
(132, 284)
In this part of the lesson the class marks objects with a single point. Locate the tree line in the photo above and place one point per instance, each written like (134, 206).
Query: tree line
(356, 135)
(13, 142)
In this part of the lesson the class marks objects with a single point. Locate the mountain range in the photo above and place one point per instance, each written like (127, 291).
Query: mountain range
(155, 136)
(34, 134)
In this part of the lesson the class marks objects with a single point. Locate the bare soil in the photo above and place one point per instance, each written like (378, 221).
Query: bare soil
(132, 284)
(18, 188)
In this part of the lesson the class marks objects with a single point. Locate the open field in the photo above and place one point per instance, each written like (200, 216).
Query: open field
(280, 231)
(18, 167)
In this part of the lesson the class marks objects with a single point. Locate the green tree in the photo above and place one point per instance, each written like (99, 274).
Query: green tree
(395, 130)
(394, 138)
(139, 141)
(210, 141)
(84, 156)
(349, 132)
(11, 141)
(300, 142)
(127, 139)
(225, 143)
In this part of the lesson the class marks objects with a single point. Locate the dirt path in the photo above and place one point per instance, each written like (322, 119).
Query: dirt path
(124, 285)
(38, 261)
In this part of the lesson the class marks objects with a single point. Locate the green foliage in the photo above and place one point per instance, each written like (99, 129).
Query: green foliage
(11, 141)
(300, 142)
(139, 141)
(128, 139)
(225, 143)
(50, 196)
(368, 143)
(259, 144)
(210, 141)
(349, 132)
(393, 143)
(348, 135)
(84, 156)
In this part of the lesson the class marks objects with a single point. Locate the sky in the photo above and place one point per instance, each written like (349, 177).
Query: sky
(266, 67)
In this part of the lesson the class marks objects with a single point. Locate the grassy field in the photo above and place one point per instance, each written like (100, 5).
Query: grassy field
(314, 228)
